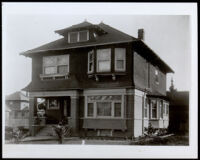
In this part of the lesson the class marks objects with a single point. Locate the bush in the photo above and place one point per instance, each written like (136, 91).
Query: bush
(62, 130)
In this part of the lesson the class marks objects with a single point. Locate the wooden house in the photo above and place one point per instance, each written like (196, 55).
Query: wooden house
(103, 81)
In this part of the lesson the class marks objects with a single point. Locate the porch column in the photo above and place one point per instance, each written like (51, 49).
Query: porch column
(32, 104)
(75, 115)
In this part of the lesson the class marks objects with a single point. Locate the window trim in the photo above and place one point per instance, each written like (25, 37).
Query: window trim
(97, 66)
(124, 67)
(78, 36)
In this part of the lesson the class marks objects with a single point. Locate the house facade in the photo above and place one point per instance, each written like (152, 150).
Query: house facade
(101, 80)
(17, 110)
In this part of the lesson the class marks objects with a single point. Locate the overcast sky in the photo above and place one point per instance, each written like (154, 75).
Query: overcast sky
(28, 26)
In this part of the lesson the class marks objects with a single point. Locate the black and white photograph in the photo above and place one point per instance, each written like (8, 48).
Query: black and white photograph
(99, 80)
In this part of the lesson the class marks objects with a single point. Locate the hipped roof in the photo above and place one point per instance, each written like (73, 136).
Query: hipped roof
(17, 96)
(112, 36)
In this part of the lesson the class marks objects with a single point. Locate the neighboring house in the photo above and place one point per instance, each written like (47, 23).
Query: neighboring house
(105, 82)
(17, 110)
(179, 110)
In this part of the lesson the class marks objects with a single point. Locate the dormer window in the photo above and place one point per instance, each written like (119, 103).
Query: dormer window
(79, 36)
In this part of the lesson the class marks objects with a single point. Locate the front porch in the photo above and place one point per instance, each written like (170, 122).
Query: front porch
(49, 108)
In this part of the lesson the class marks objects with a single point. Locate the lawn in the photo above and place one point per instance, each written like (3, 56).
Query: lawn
(175, 140)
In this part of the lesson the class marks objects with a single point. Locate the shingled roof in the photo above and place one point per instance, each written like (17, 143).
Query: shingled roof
(113, 36)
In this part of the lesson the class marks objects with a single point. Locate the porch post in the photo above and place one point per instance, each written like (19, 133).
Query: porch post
(32, 103)
(75, 115)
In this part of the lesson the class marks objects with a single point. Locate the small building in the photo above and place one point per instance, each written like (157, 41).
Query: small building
(179, 110)
(17, 110)
(103, 81)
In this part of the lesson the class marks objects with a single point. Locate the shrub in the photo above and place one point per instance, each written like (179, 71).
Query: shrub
(62, 130)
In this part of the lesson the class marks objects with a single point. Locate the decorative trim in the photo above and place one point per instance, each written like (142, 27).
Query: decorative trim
(54, 93)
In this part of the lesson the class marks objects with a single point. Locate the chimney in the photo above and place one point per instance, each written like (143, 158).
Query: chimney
(141, 34)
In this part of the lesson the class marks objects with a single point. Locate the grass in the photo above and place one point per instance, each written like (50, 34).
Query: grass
(172, 140)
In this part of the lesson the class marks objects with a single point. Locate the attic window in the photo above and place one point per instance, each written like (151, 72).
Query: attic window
(80, 36)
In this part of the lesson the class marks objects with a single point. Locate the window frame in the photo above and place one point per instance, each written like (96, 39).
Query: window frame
(97, 60)
(124, 59)
(155, 103)
(92, 61)
(78, 36)
(112, 107)
(56, 65)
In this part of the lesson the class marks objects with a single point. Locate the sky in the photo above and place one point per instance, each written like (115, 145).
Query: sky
(27, 26)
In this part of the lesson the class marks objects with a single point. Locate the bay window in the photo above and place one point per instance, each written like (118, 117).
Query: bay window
(103, 60)
(103, 109)
(56, 64)
(153, 109)
(90, 61)
(120, 55)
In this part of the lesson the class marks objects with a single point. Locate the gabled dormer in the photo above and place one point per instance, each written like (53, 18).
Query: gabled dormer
(82, 32)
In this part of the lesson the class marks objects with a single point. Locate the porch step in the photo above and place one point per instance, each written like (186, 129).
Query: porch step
(46, 131)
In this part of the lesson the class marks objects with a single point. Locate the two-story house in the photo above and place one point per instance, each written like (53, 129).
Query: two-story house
(105, 82)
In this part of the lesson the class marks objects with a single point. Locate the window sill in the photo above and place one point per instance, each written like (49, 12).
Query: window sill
(102, 74)
(54, 76)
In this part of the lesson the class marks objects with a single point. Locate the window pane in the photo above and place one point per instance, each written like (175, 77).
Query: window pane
(104, 66)
(120, 64)
(154, 110)
(103, 54)
(63, 69)
(103, 109)
(161, 109)
(83, 36)
(90, 66)
(73, 37)
(120, 53)
(49, 61)
(50, 70)
(53, 103)
(63, 60)
(117, 110)
(90, 110)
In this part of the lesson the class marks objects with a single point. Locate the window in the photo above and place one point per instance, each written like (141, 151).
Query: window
(90, 110)
(161, 109)
(80, 36)
(167, 109)
(103, 60)
(90, 61)
(109, 106)
(53, 103)
(120, 55)
(146, 109)
(153, 109)
(117, 110)
(103, 108)
(156, 76)
(83, 36)
(56, 64)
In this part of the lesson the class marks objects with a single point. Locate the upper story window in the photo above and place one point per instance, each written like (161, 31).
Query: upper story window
(91, 61)
(56, 65)
(103, 60)
(80, 36)
(120, 55)
(156, 76)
